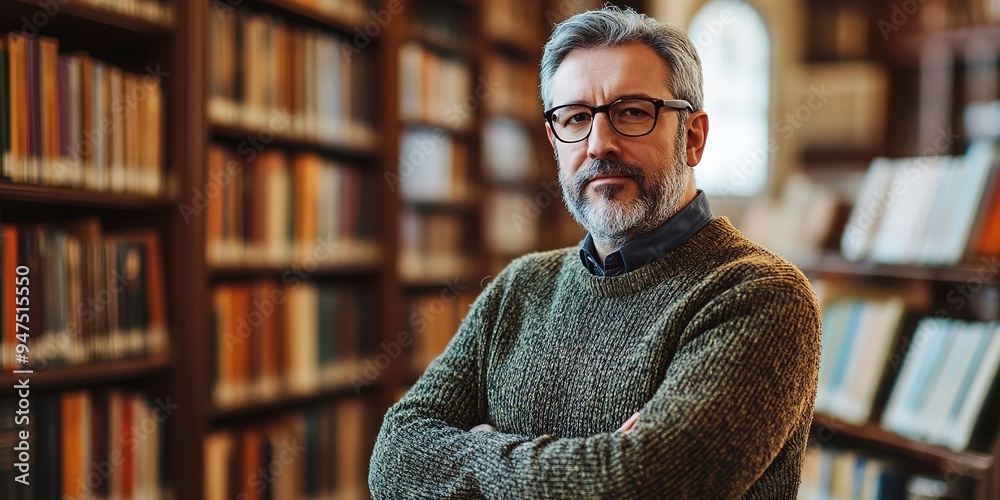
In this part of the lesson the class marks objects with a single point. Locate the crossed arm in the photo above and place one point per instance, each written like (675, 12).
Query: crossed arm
(730, 399)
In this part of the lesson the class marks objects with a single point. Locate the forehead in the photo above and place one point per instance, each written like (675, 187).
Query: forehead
(602, 74)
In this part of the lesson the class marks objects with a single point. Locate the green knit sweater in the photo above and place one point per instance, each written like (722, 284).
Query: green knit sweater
(717, 344)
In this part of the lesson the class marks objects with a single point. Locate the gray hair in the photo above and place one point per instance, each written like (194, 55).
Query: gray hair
(612, 26)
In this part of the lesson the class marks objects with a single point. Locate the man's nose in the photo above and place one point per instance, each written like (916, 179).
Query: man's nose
(603, 141)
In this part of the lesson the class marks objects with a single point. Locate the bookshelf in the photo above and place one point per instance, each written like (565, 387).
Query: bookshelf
(936, 62)
(87, 366)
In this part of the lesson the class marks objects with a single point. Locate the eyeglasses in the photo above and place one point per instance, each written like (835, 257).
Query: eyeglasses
(632, 117)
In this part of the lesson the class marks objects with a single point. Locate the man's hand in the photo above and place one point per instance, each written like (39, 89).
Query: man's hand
(482, 427)
(629, 424)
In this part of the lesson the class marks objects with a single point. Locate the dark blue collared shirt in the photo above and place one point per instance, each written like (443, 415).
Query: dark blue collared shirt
(652, 245)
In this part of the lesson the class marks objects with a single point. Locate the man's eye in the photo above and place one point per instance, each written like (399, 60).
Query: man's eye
(578, 118)
(633, 113)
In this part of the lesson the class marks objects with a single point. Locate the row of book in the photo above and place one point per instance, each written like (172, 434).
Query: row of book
(90, 296)
(433, 318)
(438, 89)
(288, 336)
(929, 210)
(508, 150)
(155, 11)
(288, 81)
(85, 444)
(513, 220)
(315, 453)
(443, 22)
(514, 87)
(858, 336)
(434, 166)
(435, 244)
(505, 20)
(835, 474)
(278, 209)
(72, 120)
(943, 378)
(950, 14)
(946, 390)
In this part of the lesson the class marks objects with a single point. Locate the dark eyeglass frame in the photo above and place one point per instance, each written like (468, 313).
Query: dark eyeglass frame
(678, 104)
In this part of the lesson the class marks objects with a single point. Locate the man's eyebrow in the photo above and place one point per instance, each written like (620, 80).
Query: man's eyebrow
(616, 98)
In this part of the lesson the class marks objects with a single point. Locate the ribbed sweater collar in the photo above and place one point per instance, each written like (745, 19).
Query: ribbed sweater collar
(716, 236)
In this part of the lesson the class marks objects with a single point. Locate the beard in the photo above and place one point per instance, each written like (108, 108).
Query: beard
(658, 197)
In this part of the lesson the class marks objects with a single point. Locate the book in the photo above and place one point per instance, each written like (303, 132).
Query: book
(71, 120)
(313, 453)
(277, 79)
(292, 336)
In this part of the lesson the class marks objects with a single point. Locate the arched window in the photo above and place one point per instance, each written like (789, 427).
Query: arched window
(735, 51)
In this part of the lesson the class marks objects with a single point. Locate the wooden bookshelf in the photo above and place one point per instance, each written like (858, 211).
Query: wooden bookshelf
(40, 194)
(833, 264)
(328, 392)
(84, 15)
(970, 463)
(235, 134)
(81, 376)
(300, 14)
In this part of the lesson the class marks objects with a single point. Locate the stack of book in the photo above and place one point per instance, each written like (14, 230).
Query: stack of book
(87, 444)
(926, 210)
(858, 335)
(275, 211)
(289, 82)
(436, 89)
(315, 453)
(295, 337)
(946, 384)
(831, 473)
(434, 246)
(72, 120)
(433, 167)
(433, 320)
(93, 297)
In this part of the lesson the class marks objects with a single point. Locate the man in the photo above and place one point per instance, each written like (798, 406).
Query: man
(669, 357)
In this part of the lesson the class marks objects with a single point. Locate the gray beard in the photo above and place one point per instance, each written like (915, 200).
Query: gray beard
(611, 221)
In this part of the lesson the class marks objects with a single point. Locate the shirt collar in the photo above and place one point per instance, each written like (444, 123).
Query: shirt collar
(651, 245)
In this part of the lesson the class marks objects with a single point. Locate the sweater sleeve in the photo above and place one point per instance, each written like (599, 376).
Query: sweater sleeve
(741, 384)
(424, 449)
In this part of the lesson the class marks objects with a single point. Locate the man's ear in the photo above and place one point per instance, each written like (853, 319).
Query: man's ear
(697, 135)
(548, 132)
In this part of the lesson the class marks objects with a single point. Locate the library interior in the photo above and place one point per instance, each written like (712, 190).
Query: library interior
(234, 232)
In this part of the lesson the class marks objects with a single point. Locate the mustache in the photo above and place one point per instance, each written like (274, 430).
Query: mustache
(608, 167)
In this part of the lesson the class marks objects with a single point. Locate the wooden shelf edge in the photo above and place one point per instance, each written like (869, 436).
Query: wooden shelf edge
(308, 15)
(223, 272)
(236, 133)
(455, 47)
(87, 375)
(342, 388)
(973, 464)
(107, 17)
(834, 264)
(74, 197)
